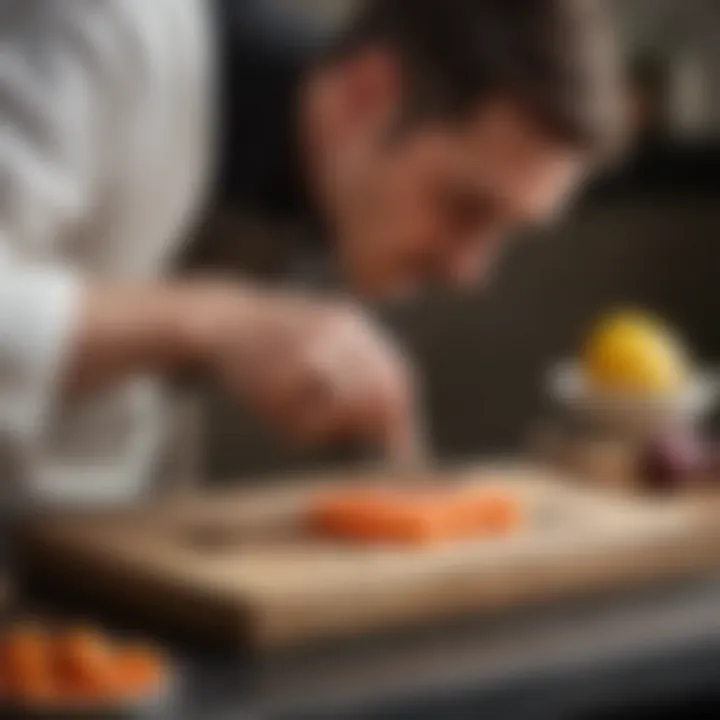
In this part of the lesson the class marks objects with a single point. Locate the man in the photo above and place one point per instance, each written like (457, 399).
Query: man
(413, 141)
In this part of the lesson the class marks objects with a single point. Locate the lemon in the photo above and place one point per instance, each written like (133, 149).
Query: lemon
(635, 353)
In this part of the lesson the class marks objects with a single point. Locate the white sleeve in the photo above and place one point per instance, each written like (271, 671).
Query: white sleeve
(53, 102)
(38, 308)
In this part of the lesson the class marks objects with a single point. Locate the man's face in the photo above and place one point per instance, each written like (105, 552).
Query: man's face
(436, 204)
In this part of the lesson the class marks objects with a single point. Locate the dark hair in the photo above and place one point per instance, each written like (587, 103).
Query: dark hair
(556, 57)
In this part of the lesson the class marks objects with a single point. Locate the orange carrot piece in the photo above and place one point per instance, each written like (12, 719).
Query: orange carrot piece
(85, 664)
(139, 670)
(27, 666)
(415, 517)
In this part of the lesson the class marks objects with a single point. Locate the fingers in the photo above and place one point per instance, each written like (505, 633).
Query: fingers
(322, 373)
(369, 383)
(404, 437)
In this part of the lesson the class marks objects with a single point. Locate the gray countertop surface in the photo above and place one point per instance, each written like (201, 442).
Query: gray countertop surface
(550, 662)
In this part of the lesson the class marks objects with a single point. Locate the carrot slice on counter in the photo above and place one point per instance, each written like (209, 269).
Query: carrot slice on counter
(85, 663)
(80, 666)
(415, 517)
(139, 669)
(27, 665)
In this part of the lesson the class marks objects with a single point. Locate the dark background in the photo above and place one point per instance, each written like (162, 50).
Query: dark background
(647, 236)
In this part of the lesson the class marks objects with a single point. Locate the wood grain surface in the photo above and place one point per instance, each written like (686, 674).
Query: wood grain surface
(242, 566)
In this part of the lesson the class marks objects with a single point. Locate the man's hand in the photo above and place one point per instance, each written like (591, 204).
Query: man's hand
(317, 370)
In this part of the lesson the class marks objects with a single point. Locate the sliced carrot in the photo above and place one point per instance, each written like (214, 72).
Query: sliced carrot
(493, 511)
(75, 667)
(85, 664)
(27, 665)
(415, 517)
(139, 669)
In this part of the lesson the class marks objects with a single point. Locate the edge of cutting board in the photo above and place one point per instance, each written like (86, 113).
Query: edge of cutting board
(273, 623)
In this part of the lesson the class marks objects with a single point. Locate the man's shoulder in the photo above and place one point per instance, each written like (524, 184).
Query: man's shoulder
(133, 22)
(120, 43)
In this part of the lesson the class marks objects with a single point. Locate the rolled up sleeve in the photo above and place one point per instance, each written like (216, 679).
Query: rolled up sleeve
(53, 103)
(38, 311)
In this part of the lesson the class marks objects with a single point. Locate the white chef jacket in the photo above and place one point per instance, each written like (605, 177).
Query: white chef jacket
(105, 138)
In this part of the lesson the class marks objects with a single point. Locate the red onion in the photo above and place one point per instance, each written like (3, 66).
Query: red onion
(673, 461)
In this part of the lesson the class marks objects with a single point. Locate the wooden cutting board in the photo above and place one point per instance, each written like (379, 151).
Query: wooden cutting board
(241, 566)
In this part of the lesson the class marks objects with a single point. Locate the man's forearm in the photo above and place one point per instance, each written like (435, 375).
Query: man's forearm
(317, 370)
(140, 329)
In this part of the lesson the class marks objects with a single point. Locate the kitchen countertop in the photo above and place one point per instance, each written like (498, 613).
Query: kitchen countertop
(571, 659)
